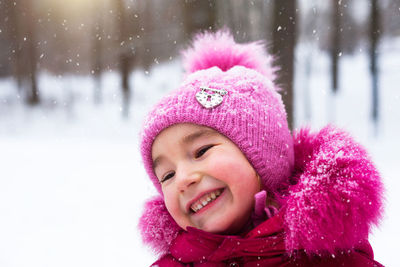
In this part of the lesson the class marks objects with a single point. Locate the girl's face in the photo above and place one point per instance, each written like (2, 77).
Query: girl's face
(206, 180)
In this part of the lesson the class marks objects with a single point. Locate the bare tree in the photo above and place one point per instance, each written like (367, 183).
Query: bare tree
(198, 15)
(5, 40)
(284, 40)
(33, 98)
(374, 33)
(310, 39)
(97, 49)
(31, 49)
(15, 35)
(148, 26)
(125, 56)
(225, 14)
(335, 48)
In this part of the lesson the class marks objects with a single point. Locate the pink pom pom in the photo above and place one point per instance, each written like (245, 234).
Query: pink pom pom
(220, 50)
(156, 225)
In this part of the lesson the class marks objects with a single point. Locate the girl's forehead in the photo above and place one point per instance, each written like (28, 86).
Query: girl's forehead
(185, 133)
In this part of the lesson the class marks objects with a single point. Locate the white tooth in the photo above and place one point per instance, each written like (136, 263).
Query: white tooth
(204, 202)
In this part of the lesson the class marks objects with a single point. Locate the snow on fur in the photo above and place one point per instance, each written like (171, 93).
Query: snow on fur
(157, 227)
(220, 50)
(338, 196)
(333, 205)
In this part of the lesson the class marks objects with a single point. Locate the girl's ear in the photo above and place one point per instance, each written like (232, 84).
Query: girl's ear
(156, 225)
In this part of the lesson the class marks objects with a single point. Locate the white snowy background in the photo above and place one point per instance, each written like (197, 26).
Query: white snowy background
(72, 185)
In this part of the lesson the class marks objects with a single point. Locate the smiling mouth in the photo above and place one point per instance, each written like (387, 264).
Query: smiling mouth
(205, 200)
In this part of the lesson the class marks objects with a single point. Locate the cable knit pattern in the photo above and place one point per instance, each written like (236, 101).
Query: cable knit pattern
(333, 205)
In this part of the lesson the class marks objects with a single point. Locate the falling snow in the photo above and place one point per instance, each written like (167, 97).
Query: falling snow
(81, 182)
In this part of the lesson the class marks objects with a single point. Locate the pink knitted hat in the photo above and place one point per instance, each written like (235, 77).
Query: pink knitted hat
(229, 88)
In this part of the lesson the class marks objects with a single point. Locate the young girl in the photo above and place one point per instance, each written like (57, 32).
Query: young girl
(236, 188)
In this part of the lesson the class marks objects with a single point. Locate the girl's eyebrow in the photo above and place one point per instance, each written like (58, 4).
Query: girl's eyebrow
(188, 139)
(157, 161)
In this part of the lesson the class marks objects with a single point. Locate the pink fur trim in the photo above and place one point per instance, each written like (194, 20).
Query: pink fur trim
(338, 196)
(156, 225)
(220, 50)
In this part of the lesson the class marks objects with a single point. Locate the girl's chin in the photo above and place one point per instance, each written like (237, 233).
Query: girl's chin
(218, 227)
(219, 224)
(211, 226)
(215, 229)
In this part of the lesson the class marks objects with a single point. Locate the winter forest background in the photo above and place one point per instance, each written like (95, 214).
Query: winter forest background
(77, 77)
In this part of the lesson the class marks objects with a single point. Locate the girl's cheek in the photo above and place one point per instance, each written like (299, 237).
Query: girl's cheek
(225, 165)
(168, 199)
(171, 207)
(172, 202)
(176, 213)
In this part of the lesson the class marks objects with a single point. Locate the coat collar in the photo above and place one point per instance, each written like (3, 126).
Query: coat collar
(195, 245)
(335, 199)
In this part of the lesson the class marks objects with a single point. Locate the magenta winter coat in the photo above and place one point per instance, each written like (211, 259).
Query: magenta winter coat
(325, 217)
(263, 246)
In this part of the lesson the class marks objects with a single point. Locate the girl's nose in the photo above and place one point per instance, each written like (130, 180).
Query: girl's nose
(187, 179)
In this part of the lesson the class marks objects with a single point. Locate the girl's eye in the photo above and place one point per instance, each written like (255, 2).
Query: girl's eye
(202, 151)
(167, 177)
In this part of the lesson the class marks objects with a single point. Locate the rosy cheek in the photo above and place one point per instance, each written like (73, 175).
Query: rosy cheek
(224, 167)
(175, 210)
(171, 204)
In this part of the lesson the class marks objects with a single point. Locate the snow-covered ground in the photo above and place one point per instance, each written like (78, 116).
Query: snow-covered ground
(72, 186)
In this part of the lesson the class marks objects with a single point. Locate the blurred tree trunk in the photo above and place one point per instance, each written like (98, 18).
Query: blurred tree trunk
(256, 20)
(125, 58)
(15, 35)
(374, 39)
(198, 15)
(242, 21)
(33, 94)
(335, 49)
(97, 50)
(311, 41)
(147, 28)
(225, 14)
(284, 40)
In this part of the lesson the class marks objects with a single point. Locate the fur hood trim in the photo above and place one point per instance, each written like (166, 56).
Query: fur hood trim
(338, 196)
(335, 201)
